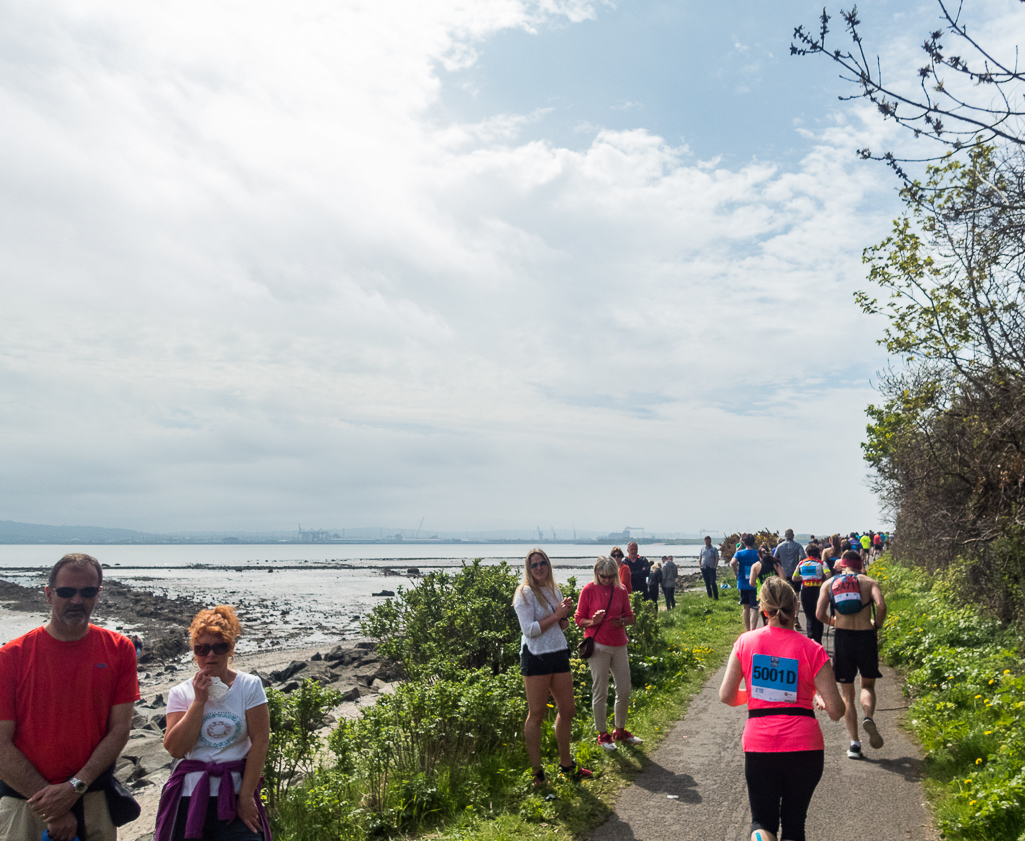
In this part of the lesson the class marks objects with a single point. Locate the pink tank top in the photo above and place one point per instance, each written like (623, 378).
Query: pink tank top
(779, 671)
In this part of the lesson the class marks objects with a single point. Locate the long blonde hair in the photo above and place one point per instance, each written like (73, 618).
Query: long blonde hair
(540, 591)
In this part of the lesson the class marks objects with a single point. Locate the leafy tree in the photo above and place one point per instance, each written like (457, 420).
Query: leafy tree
(948, 444)
(948, 441)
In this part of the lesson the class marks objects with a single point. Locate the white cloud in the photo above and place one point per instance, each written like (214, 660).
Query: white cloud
(247, 280)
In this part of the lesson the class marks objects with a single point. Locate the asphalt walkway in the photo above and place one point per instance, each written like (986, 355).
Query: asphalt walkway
(693, 786)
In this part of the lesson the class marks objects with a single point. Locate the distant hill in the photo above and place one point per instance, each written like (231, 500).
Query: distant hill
(11, 532)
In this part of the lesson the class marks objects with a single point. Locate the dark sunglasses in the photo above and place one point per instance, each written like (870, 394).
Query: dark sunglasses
(539, 565)
(203, 649)
(69, 592)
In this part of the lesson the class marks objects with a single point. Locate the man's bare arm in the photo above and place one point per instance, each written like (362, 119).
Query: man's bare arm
(15, 769)
(822, 605)
(877, 597)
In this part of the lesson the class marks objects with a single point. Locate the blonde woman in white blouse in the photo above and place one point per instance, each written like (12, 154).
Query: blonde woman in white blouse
(544, 662)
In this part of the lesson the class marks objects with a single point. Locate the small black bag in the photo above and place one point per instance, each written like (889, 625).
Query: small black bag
(123, 807)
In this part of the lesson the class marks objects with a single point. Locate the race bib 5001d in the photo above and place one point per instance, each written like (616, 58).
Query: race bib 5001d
(774, 678)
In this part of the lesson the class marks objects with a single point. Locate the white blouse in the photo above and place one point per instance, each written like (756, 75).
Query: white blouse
(530, 612)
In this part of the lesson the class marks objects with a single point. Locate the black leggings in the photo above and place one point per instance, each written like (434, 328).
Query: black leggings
(809, 601)
(779, 788)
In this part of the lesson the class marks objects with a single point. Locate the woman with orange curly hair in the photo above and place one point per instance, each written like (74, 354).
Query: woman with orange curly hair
(218, 730)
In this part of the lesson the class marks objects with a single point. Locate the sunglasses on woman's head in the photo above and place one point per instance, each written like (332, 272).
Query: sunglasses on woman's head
(605, 576)
(203, 649)
(69, 592)
(539, 565)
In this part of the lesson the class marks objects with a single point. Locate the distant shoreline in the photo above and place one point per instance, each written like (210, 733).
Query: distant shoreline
(686, 541)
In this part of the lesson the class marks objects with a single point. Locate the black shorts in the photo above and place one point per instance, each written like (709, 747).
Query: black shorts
(749, 597)
(856, 651)
(550, 663)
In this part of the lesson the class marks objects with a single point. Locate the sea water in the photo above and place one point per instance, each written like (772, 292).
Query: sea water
(293, 594)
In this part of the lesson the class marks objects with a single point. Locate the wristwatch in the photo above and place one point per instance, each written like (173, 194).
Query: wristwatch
(80, 786)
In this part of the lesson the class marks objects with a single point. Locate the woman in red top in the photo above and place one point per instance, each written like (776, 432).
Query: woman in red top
(786, 675)
(603, 610)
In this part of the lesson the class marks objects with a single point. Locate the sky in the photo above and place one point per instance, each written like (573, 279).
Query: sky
(489, 263)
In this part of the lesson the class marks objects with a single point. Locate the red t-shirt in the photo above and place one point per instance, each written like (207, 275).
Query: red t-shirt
(594, 598)
(787, 663)
(60, 695)
(625, 578)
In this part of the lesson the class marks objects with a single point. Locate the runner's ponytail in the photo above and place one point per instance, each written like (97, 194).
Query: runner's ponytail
(777, 598)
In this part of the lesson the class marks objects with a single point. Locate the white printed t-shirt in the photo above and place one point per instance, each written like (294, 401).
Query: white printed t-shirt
(223, 736)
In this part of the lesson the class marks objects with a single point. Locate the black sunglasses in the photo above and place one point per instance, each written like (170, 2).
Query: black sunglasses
(539, 565)
(69, 592)
(203, 649)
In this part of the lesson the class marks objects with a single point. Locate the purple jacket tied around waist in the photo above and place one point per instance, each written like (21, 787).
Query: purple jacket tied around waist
(171, 796)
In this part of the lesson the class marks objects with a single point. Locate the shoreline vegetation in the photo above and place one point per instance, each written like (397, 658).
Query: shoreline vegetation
(443, 754)
(963, 674)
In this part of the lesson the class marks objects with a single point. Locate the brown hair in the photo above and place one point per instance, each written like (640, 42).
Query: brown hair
(78, 560)
(777, 598)
(219, 621)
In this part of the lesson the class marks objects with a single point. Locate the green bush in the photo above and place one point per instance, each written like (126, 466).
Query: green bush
(968, 695)
(294, 741)
(465, 620)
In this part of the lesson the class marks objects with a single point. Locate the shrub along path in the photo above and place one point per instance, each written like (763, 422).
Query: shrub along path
(701, 763)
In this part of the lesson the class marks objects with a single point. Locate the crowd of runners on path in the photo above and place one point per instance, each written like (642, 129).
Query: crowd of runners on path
(781, 674)
(68, 688)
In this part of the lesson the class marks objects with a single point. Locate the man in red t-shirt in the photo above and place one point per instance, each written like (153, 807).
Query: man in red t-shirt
(67, 693)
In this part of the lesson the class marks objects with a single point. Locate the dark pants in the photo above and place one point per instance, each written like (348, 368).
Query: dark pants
(213, 829)
(670, 597)
(779, 789)
(708, 573)
(809, 600)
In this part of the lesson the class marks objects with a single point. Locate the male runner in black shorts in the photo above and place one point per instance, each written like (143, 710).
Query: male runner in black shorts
(857, 649)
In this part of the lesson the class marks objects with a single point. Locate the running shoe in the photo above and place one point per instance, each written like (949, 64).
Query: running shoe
(605, 741)
(854, 751)
(875, 739)
(623, 735)
(576, 772)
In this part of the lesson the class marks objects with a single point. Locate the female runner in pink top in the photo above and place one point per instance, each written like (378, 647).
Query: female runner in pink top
(782, 741)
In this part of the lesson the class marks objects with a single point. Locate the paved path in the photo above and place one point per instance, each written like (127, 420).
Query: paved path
(702, 764)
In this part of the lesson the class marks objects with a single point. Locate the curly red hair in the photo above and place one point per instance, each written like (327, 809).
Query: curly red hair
(219, 621)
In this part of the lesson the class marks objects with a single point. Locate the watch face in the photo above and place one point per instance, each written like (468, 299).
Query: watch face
(79, 785)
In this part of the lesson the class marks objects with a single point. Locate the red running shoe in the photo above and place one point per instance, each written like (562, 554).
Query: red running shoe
(624, 735)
